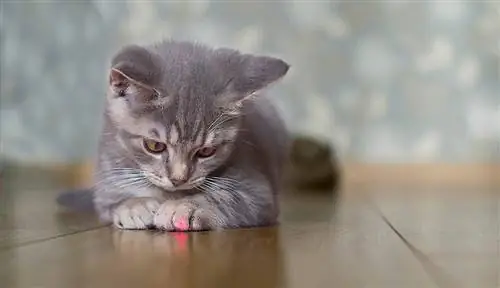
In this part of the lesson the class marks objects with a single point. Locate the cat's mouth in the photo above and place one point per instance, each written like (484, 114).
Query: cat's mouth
(190, 184)
(165, 184)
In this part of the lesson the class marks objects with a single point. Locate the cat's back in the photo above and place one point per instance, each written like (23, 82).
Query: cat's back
(265, 132)
(265, 119)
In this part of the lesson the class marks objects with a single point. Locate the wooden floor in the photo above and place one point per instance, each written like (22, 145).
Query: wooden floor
(324, 241)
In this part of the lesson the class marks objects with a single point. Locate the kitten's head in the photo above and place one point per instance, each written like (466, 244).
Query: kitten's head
(177, 106)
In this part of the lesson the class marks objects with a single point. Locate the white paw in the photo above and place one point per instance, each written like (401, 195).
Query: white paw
(136, 213)
(181, 216)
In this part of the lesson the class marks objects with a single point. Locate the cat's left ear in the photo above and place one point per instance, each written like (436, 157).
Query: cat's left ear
(254, 74)
(257, 72)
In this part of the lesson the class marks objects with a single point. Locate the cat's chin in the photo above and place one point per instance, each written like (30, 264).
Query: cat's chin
(178, 189)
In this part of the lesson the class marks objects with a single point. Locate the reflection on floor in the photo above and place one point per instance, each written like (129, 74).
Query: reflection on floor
(323, 242)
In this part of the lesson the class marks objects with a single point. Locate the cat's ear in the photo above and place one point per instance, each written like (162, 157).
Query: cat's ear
(133, 74)
(257, 72)
(254, 74)
(122, 85)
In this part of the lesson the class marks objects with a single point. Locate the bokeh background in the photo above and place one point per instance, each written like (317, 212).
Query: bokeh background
(382, 81)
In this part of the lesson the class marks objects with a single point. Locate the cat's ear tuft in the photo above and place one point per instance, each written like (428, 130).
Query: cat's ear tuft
(257, 72)
(119, 82)
(122, 85)
(134, 70)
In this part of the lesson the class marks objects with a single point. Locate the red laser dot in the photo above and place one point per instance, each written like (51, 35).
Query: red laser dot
(182, 225)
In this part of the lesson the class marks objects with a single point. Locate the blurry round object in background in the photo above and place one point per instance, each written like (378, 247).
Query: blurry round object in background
(313, 165)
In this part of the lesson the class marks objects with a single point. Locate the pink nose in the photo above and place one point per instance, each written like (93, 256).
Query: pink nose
(178, 181)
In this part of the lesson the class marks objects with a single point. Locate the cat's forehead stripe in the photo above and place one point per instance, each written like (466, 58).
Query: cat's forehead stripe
(198, 131)
(199, 138)
(180, 118)
(173, 135)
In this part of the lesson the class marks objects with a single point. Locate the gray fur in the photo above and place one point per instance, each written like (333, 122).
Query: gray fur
(187, 96)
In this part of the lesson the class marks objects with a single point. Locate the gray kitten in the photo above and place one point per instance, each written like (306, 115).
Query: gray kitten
(188, 143)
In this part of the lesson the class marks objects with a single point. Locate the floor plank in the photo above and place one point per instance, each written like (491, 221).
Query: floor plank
(457, 230)
(323, 241)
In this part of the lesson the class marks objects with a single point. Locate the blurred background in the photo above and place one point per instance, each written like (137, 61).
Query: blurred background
(381, 81)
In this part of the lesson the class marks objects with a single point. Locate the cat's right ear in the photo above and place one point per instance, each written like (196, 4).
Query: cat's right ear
(120, 84)
(134, 72)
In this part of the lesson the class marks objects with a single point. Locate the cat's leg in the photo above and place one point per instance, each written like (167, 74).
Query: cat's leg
(222, 204)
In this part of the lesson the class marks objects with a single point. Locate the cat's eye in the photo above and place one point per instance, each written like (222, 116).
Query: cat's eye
(205, 152)
(154, 147)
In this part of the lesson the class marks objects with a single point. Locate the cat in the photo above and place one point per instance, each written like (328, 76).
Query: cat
(189, 142)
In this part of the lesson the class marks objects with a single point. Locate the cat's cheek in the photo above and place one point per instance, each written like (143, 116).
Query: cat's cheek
(208, 166)
(228, 148)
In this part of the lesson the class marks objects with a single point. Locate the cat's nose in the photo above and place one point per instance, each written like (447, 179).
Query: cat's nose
(178, 181)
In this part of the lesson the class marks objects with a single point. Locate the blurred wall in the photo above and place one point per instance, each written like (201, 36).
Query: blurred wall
(393, 81)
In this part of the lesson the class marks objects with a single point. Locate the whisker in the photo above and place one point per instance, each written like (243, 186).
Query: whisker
(226, 186)
(218, 177)
(215, 121)
(207, 184)
(219, 186)
(122, 181)
(212, 187)
(144, 184)
(136, 185)
(199, 188)
(214, 183)
(127, 182)
(120, 178)
(222, 120)
(120, 170)
(220, 194)
(225, 180)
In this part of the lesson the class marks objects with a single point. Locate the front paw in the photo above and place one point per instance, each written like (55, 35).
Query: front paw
(182, 216)
(136, 213)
